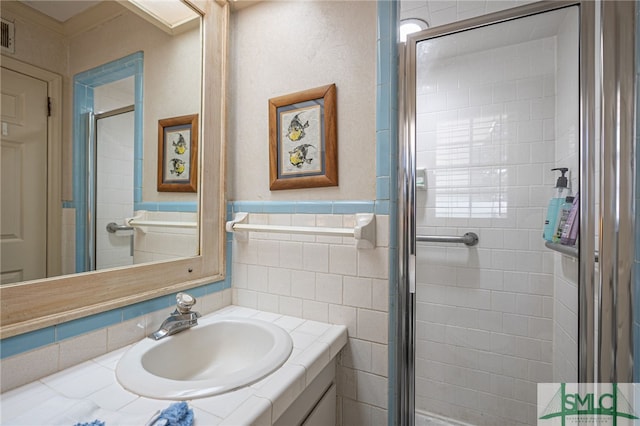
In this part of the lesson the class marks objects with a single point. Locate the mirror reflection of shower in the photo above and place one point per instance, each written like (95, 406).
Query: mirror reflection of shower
(112, 174)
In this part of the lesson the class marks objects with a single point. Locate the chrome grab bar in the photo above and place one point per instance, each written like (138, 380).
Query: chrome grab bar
(469, 239)
(113, 227)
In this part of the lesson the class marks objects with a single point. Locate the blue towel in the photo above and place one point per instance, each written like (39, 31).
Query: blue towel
(177, 414)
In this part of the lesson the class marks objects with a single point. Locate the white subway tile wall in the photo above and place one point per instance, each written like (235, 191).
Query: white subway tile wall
(162, 243)
(150, 243)
(326, 279)
(68, 241)
(491, 125)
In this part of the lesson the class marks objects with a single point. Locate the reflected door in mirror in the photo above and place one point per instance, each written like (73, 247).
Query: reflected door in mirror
(24, 177)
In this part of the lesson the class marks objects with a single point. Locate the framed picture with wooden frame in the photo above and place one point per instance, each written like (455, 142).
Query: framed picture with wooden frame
(303, 150)
(178, 154)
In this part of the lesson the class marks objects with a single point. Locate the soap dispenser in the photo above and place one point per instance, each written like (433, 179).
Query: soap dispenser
(553, 211)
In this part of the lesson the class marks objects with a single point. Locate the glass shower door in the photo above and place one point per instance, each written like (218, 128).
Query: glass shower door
(496, 109)
(114, 187)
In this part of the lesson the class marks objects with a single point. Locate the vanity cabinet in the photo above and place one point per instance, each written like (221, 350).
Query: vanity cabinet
(324, 413)
(316, 405)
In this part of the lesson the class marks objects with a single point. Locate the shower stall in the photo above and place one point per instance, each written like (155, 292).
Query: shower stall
(491, 105)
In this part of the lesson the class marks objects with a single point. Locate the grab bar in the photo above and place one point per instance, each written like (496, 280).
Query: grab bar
(114, 227)
(469, 239)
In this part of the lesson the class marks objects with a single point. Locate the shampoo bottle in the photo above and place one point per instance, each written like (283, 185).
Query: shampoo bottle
(571, 228)
(553, 210)
(565, 209)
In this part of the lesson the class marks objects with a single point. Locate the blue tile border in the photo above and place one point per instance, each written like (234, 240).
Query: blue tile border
(353, 207)
(387, 168)
(383, 188)
(311, 207)
(306, 207)
(27, 341)
(187, 207)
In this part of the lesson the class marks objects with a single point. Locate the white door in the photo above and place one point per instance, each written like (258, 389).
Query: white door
(23, 178)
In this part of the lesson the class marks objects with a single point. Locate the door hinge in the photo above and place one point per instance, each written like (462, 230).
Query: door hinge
(48, 106)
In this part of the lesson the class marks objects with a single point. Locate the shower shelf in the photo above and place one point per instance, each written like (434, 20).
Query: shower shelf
(364, 232)
(566, 250)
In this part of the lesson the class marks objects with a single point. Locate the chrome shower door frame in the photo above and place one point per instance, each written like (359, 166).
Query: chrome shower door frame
(404, 398)
(617, 189)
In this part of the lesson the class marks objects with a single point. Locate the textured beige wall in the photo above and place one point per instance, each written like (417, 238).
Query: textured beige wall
(282, 47)
(36, 44)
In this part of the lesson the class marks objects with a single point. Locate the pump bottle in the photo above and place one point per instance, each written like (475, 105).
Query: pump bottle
(555, 204)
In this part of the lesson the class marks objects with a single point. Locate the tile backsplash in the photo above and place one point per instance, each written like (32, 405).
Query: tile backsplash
(325, 279)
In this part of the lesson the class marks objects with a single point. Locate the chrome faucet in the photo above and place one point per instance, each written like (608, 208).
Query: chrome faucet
(181, 319)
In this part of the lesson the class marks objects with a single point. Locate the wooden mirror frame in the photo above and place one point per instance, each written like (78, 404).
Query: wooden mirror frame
(42, 303)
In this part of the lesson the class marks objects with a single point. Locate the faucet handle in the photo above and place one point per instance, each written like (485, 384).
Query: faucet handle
(185, 302)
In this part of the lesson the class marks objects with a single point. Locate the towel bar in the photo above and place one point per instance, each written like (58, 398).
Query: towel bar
(364, 232)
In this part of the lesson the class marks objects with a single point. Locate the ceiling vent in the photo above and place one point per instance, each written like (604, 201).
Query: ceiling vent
(7, 36)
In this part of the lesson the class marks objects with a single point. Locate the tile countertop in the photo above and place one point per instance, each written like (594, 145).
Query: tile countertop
(90, 391)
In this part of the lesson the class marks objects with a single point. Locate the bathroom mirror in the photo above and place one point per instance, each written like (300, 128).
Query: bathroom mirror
(30, 305)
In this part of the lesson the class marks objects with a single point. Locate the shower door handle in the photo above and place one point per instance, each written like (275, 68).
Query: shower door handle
(412, 273)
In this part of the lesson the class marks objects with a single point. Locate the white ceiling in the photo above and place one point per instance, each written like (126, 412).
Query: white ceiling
(59, 10)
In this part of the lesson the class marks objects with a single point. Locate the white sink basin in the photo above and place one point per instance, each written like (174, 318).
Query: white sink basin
(214, 357)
